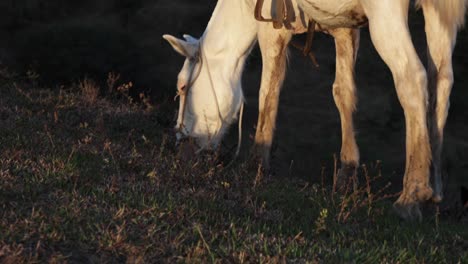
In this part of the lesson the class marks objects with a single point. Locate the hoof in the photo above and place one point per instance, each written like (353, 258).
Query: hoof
(421, 193)
(407, 208)
(346, 179)
(437, 198)
(408, 204)
(260, 154)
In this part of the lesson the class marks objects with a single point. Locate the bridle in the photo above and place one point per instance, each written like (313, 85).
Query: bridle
(182, 94)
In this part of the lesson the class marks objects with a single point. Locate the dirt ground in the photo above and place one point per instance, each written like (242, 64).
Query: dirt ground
(308, 131)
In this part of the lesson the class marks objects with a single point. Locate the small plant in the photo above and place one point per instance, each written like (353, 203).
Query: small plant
(362, 197)
(118, 89)
(112, 79)
(321, 222)
(146, 102)
(8, 77)
(89, 90)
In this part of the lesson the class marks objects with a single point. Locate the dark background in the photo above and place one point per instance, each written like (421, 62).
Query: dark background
(64, 41)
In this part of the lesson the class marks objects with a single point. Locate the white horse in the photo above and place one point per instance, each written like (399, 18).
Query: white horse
(209, 83)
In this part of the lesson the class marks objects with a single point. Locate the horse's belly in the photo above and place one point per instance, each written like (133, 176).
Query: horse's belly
(334, 13)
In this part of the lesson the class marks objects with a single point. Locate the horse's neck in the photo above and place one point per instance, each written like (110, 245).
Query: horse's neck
(231, 31)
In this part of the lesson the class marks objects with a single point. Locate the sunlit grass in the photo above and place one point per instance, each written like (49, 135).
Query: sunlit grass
(100, 181)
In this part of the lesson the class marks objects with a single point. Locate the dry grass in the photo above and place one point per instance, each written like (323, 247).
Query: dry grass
(89, 90)
(102, 182)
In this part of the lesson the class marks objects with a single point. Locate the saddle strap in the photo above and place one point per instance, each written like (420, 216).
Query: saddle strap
(278, 17)
(310, 37)
(307, 47)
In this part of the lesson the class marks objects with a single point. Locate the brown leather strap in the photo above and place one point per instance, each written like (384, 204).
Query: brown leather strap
(310, 37)
(258, 10)
(280, 14)
(307, 48)
(278, 17)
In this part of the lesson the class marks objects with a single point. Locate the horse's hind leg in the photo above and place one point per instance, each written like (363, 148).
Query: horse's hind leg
(273, 44)
(441, 40)
(390, 35)
(344, 93)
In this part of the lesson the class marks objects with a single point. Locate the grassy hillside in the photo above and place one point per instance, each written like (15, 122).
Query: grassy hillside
(86, 178)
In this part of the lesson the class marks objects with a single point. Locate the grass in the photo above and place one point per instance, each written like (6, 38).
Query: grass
(97, 179)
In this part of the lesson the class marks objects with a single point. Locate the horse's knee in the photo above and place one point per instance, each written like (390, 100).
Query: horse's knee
(444, 84)
(412, 90)
(344, 96)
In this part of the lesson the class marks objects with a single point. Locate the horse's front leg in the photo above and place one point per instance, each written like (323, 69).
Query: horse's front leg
(390, 35)
(344, 93)
(273, 44)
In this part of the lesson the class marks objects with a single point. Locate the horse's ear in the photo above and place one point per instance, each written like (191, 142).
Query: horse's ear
(184, 48)
(190, 39)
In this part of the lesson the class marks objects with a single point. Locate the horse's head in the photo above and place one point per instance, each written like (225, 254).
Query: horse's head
(209, 91)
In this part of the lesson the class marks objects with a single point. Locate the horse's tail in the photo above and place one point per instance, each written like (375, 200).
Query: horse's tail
(452, 12)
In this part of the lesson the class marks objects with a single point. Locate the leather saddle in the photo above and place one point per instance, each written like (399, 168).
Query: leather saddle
(281, 16)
